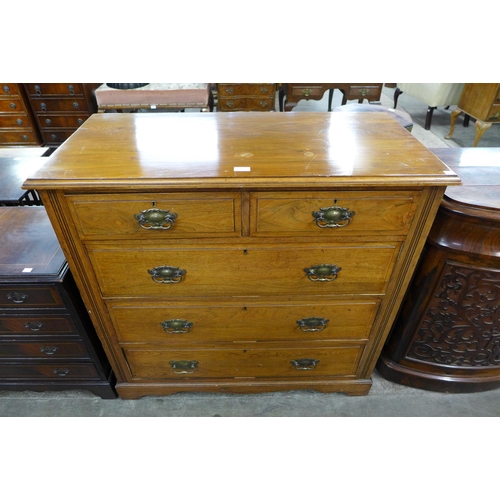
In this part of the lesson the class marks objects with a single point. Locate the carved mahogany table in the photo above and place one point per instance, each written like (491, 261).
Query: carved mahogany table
(447, 336)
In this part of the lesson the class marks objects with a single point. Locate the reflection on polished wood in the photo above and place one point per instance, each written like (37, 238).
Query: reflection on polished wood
(244, 188)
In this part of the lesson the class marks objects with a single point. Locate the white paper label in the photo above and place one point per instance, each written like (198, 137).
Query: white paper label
(27, 270)
(242, 169)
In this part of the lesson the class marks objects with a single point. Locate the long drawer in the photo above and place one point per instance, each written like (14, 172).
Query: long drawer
(244, 322)
(59, 371)
(37, 324)
(17, 296)
(255, 362)
(45, 350)
(243, 271)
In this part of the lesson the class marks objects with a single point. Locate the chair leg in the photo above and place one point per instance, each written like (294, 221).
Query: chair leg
(397, 93)
(428, 118)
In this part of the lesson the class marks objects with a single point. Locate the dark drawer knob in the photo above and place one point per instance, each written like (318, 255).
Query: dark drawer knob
(79, 121)
(304, 363)
(13, 105)
(48, 121)
(333, 217)
(19, 121)
(6, 89)
(43, 107)
(155, 218)
(17, 297)
(312, 324)
(34, 326)
(76, 105)
(71, 90)
(48, 349)
(62, 372)
(25, 137)
(53, 137)
(176, 326)
(38, 91)
(166, 274)
(183, 366)
(323, 272)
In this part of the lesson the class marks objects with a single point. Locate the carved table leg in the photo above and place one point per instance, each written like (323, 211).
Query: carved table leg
(330, 97)
(481, 128)
(454, 115)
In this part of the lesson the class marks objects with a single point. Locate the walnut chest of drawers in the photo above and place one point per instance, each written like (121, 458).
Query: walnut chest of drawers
(246, 97)
(242, 252)
(47, 341)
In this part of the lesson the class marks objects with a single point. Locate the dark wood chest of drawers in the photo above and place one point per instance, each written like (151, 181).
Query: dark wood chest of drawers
(60, 108)
(246, 97)
(47, 341)
(17, 122)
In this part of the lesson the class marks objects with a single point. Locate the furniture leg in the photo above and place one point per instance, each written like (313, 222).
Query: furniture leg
(428, 118)
(330, 98)
(397, 93)
(481, 128)
(344, 98)
(454, 115)
(466, 120)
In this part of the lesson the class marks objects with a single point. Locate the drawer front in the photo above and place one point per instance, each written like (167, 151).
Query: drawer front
(150, 216)
(53, 89)
(36, 325)
(12, 106)
(243, 272)
(20, 121)
(53, 371)
(216, 322)
(494, 113)
(305, 91)
(61, 121)
(56, 136)
(246, 104)
(45, 350)
(256, 362)
(54, 105)
(9, 89)
(234, 90)
(18, 297)
(332, 214)
(24, 137)
(364, 92)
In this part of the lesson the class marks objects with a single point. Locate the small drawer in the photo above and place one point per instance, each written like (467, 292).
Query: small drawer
(61, 121)
(12, 106)
(21, 138)
(45, 350)
(54, 89)
(17, 297)
(243, 271)
(149, 216)
(54, 105)
(9, 90)
(15, 121)
(305, 91)
(36, 325)
(53, 371)
(247, 104)
(244, 322)
(328, 214)
(56, 136)
(371, 92)
(247, 89)
(254, 362)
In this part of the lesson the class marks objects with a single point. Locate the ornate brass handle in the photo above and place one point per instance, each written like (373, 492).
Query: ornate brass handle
(333, 216)
(17, 297)
(62, 372)
(183, 366)
(263, 90)
(230, 104)
(363, 92)
(49, 349)
(312, 324)
(166, 274)
(155, 218)
(323, 272)
(306, 92)
(263, 103)
(229, 90)
(176, 326)
(34, 326)
(304, 363)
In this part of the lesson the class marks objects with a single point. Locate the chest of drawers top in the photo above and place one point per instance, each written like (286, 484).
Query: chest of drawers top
(256, 150)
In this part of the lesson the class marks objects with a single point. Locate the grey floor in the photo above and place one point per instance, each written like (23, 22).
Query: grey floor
(385, 399)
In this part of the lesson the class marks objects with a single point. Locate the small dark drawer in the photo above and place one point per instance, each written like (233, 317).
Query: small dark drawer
(54, 105)
(12, 106)
(21, 137)
(15, 121)
(61, 121)
(55, 371)
(56, 136)
(25, 297)
(54, 89)
(9, 89)
(45, 350)
(36, 325)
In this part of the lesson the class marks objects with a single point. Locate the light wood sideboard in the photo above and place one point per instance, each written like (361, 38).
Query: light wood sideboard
(242, 252)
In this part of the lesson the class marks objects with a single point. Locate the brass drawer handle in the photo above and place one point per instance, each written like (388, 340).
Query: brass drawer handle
(17, 297)
(182, 367)
(306, 92)
(364, 92)
(230, 104)
(264, 90)
(166, 274)
(49, 349)
(333, 217)
(304, 363)
(176, 326)
(263, 104)
(229, 90)
(323, 272)
(62, 372)
(34, 326)
(312, 324)
(155, 218)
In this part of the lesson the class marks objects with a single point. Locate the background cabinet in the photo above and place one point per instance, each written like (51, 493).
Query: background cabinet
(246, 96)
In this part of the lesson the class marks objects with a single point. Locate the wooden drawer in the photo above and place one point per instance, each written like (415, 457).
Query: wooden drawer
(37, 325)
(61, 121)
(255, 362)
(12, 106)
(247, 89)
(243, 322)
(54, 89)
(15, 121)
(19, 297)
(307, 90)
(59, 371)
(355, 214)
(22, 138)
(56, 136)
(52, 105)
(371, 92)
(198, 215)
(246, 104)
(45, 350)
(9, 90)
(242, 271)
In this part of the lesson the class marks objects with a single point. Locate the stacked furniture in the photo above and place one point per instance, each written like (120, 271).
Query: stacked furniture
(270, 253)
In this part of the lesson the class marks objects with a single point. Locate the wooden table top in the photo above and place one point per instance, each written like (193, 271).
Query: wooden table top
(479, 169)
(219, 150)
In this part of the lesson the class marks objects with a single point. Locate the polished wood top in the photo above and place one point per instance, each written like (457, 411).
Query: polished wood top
(479, 169)
(217, 150)
(13, 172)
